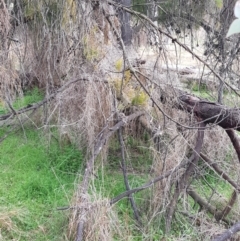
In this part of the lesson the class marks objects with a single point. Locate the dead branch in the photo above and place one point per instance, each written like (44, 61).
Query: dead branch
(44, 101)
(138, 189)
(221, 215)
(184, 182)
(148, 184)
(102, 138)
(226, 118)
(228, 233)
(124, 170)
(220, 172)
(232, 200)
(203, 204)
(235, 142)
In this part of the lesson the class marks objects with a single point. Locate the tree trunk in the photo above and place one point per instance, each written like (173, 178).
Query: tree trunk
(4, 29)
(226, 17)
(125, 18)
(152, 12)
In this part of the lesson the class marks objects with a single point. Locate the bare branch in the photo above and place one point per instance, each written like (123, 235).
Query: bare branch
(228, 233)
(184, 182)
(148, 184)
(202, 203)
(101, 140)
(45, 100)
(235, 141)
(220, 172)
(124, 170)
(222, 214)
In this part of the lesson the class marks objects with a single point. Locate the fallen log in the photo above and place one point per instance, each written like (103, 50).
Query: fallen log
(210, 112)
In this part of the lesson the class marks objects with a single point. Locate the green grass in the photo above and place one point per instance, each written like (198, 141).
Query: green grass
(35, 180)
(110, 183)
(202, 91)
(29, 98)
(230, 98)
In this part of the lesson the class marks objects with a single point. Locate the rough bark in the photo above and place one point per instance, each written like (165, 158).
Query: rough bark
(210, 112)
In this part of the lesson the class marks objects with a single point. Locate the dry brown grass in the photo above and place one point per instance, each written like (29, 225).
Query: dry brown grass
(82, 110)
(100, 219)
(10, 86)
(7, 224)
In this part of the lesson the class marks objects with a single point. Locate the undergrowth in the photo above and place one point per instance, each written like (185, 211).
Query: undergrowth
(38, 177)
(109, 182)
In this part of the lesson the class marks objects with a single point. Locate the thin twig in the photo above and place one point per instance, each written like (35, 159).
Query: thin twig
(220, 172)
(45, 100)
(148, 184)
(124, 170)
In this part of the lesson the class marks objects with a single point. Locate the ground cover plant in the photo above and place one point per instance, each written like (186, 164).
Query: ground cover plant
(36, 179)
